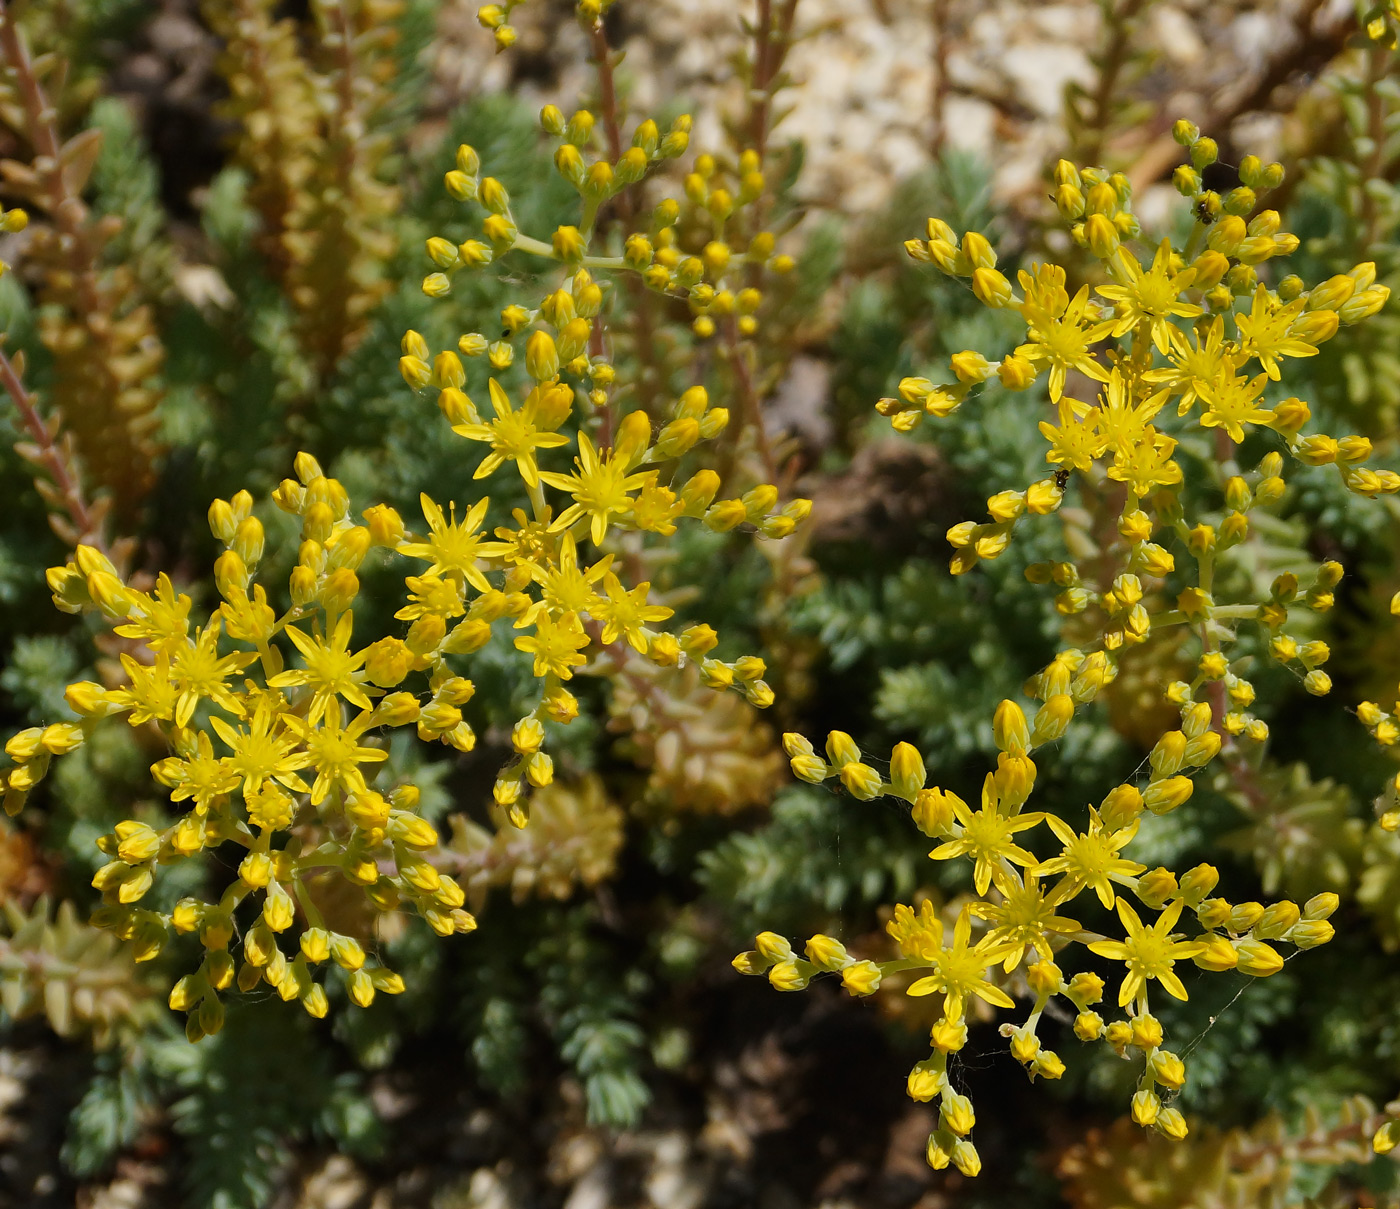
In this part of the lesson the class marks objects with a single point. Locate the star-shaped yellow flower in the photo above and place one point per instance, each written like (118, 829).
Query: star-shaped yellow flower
(1148, 952)
(513, 436)
(453, 547)
(331, 670)
(986, 837)
(960, 971)
(1091, 859)
(1150, 297)
(600, 487)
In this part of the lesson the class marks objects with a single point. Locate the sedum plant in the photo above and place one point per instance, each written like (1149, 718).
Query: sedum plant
(283, 763)
(1182, 345)
(600, 327)
(276, 711)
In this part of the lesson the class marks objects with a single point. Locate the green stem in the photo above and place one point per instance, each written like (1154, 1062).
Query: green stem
(313, 916)
(1194, 241)
(1219, 613)
(537, 247)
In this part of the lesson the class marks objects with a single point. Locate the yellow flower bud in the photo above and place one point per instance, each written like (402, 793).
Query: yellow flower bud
(1052, 719)
(978, 252)
(785, 976)
(186, 915)
(957, 1113)
(1171, 1123)
(541, 356)
(387, 662)
(907, 772)
(1218, 954)
(1009, 729)
(1101, 236)
(1045, 978)
(991, 288)
(948, 1036)
(1258, 959)
(1025, 1045)
(971, 366)
(1168, 754)
(1197, 883)
(1168, 1069)
(1015, 372)
(1147, 1031)
(137, 842)
(278, 911)
(1277, 920)
(361, 988)
(1146, 1106)
(827, 953)
(861, 780)
(1310, 933)
(187, 992)
(1166, 795)
(925, 1081)
(256, 869)
(773, 946)
(346, 952)
(862, 978)
(939, 1153)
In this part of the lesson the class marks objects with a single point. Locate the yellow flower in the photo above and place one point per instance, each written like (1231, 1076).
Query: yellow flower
(513, 436)
(1150, 298)
(197, 672)
(263, 752)
(162, 621)
(199, 774)
(249, 619)
(453, 548)
(1076, 441)
(986, 837)
(1149, 952)
(1122, 420)
(331, 668)
(430, 595)
(1264, 332)
(1091, 859)
(599, 487)
(1062, 333)
(533, 541)
(960, 971)
(655, 508)
(1194, 364)
(555, 645)
(626, 613)
(1147, 465)
(1023, 918)
(151, 695)
(334, 751)
(1232, 401)
(564, 588)
(917, 935)
(270, 808)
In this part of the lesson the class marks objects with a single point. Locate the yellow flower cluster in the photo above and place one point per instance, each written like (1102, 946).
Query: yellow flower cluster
(1196, 325)
(281, 760)
(496, 18)
(718, 282)
(1385, 729)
